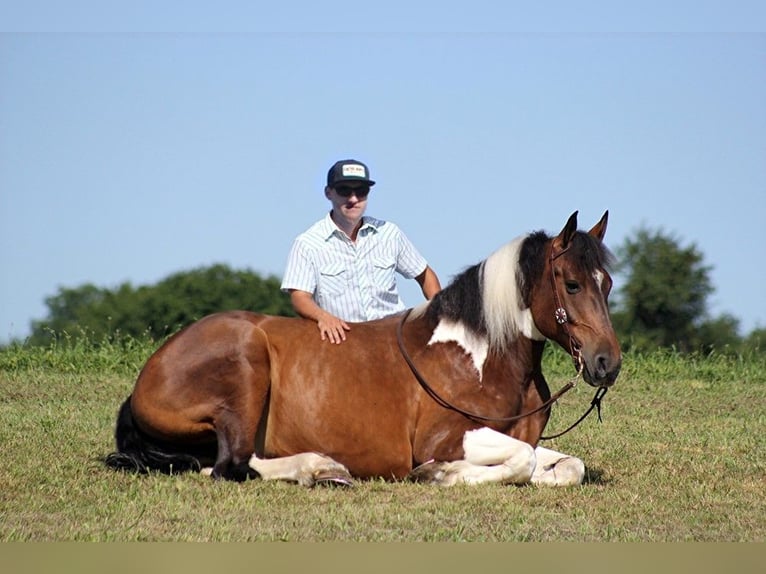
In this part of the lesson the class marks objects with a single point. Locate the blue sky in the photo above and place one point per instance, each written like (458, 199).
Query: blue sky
(140, 139)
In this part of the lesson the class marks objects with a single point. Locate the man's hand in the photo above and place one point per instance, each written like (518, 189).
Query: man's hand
(332, 328)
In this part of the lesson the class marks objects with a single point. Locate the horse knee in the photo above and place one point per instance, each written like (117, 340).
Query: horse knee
(517, 470)
(521, 465)
(487, 447)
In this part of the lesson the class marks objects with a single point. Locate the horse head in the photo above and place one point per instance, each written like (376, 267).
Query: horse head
(569, 305)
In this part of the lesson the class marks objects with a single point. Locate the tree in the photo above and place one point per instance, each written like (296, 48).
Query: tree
(158, 310)
(756, 340)
(718, 334)
(70, 307)
(663, 301)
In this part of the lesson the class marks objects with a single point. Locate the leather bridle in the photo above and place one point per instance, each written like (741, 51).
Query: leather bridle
(562, 318)
(560, 314)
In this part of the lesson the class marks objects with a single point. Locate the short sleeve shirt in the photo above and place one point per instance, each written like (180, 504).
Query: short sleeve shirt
(355, 281)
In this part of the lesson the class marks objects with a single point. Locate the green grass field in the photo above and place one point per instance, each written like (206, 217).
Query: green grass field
(680, 456)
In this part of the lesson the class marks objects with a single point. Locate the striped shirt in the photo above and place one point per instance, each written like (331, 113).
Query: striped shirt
(353, 281)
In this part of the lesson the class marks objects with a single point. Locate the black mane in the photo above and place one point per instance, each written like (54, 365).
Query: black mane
(532, 262)
(461, 300)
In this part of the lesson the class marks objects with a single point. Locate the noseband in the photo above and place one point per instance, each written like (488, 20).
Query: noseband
(562, 319)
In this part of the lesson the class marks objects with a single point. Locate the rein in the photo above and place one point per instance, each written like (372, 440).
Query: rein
(563, 320)
(447, 405)
(594, 404)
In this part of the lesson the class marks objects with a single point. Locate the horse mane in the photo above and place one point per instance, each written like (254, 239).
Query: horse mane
(492, 298)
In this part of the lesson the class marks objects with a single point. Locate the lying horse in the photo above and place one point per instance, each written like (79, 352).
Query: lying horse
(452, 391)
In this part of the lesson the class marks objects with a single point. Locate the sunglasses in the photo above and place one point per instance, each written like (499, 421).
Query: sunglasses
(347, 191)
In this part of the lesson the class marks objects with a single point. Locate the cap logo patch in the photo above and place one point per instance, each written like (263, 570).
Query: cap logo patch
(353, 170)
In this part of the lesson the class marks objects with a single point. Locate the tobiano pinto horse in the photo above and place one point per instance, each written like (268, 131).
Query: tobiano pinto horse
(450, 391)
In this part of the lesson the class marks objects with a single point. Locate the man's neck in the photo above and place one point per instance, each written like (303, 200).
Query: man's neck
(347, 226)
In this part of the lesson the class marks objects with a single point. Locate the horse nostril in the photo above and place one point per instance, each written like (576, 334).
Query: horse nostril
(601, 367)
(606, 368)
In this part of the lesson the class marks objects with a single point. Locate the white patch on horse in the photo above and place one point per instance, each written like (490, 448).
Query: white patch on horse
(475, 345)
(305, 468)
(489, 457)
(557, 469)
(528, 327)
(598, 275)
(485, 446)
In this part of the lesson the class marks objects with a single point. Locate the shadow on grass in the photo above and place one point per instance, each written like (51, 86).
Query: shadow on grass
(595, 476)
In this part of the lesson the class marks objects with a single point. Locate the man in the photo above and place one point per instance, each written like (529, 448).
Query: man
(342, 269)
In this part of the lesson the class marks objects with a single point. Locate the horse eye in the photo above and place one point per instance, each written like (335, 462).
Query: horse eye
(572, 287)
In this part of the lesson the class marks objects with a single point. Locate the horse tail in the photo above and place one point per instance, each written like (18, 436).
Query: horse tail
(139, 453)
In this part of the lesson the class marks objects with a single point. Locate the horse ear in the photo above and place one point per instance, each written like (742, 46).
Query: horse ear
(561, 242)
(599, 230)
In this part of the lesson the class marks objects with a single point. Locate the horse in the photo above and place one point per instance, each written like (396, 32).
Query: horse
(450, 391)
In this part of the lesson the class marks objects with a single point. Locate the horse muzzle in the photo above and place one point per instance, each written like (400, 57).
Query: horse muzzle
(601, 370)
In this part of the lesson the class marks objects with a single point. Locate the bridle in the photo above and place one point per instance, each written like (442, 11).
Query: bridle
(560, 314)
(562, 319)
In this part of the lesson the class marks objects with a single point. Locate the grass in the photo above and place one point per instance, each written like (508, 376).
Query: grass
(680, 456)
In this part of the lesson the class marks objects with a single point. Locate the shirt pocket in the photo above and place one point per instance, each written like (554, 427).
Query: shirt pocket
(333, 279)
(384, 274)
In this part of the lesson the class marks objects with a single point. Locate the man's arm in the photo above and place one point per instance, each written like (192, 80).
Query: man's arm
(429, 283)
(330, 326)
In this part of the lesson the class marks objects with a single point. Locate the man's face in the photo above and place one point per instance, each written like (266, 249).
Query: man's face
(349, 198)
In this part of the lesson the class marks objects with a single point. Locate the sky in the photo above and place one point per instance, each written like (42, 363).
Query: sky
(139, 139)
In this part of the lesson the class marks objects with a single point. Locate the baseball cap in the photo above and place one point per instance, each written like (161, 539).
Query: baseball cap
(348, 170)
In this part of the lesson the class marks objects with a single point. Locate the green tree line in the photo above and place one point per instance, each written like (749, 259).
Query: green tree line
(662, 302)
(157, 310)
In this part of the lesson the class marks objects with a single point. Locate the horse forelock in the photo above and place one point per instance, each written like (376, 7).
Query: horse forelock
(593, 254)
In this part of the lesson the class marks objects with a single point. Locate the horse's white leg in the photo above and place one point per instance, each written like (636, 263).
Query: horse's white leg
(490, 456)
(557, 469)
(306, 469)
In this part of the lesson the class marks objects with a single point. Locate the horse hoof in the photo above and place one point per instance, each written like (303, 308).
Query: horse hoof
(333, 478)
(430, 472)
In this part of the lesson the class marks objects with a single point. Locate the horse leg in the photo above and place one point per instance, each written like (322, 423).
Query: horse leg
(234, 451)
(236, 424)
(307, 469)
(232, 460)
(557, 469)
(232, 463)
(489, 456)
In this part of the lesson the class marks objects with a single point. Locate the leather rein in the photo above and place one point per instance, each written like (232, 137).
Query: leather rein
(563, 320)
